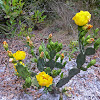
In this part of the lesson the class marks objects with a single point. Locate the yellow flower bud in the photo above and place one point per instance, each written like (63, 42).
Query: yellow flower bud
(10, 54)
(28, 38)
(62, 56)
(5, 45)
(30, 43)
(90, 40)
(50, 36)
(87, 27)
(42, 54)
(68, 88)
(11, 60)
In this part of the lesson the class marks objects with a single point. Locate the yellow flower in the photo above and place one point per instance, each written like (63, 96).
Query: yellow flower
(19, 55)
(82, 18)
(44, 79)
(15, 66)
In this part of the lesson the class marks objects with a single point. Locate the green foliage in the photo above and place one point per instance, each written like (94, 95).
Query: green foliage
(90, 51)
(40, 49)
(92, 62)
(38, 17)
(48, 70)
(12, 9)
(22, 70)
(34, 82)
(3, 26)
(73, 47)
(25, 31)
(97, 43)
(55, 73)
(51, 64)
(27, 82)
(73, 72)
(50, 53)
(95, 32)
(80, 60)
(62, 82)
(40, 64)
(85, 50)
(65, 80)
(48, 56)
(61, 76)
(3, 29)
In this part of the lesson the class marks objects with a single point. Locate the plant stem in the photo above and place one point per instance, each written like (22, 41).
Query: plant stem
(79, 40)
(81, 46)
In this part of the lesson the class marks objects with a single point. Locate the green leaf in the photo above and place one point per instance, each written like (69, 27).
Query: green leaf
(51, 64)
(61, 76)
(96, 30)
(34, 82)
(80, 60)
(92, 62)
(59, 65)
(90, 51)
(73, 72)
(22, 70)
(82, 68)
(52, 54)
(40, 64)
(33, 74)
(63, 82)
(48, 70)
(28, 82)
(97, 43)
(79, 28)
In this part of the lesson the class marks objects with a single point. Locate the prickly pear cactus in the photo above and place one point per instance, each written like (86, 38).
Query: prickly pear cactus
(85, 49)
(81, 58)
(49, 55)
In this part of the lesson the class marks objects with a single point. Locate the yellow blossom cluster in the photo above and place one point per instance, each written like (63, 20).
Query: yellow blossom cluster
(44, 79)
(82, 18)
(19, 55)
